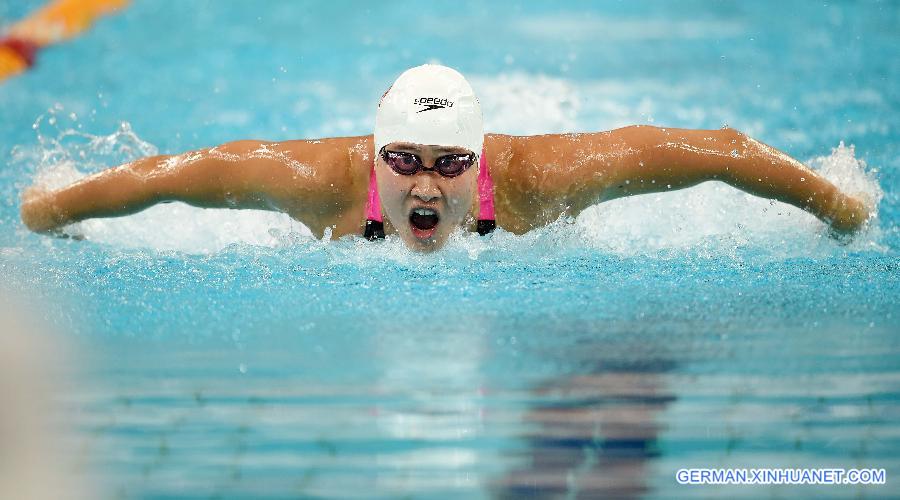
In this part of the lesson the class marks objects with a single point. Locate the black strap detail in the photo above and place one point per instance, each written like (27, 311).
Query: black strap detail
(374, 230)
(486, 226)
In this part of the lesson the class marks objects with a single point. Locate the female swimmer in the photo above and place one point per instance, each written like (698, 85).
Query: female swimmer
(429, 169)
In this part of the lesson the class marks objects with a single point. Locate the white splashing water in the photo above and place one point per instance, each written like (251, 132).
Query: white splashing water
(712, 217)
(552, 104)
(717, 217)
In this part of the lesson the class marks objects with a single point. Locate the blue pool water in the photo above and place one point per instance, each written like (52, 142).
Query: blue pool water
(230, 355)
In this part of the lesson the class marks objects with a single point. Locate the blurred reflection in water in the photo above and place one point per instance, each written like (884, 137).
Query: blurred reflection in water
(589, 433)
(431, 405)
(594, 434)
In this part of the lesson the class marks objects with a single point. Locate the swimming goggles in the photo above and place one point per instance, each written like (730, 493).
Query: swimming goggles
(408, 163)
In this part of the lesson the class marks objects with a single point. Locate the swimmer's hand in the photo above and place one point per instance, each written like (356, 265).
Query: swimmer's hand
(848, 215)
(38, 212)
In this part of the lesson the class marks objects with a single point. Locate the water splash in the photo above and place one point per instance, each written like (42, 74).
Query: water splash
(850, 174)
(65, 152)
(553, 103)
(713, 218)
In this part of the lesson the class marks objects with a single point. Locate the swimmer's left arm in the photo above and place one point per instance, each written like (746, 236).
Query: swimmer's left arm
(644, 159)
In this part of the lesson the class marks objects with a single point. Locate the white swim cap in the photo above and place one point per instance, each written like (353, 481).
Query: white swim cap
(433, 105)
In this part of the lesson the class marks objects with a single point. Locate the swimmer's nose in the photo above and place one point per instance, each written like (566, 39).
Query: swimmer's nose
(425, 188)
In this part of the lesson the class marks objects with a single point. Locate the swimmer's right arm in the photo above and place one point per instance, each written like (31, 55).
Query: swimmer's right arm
(242, 174)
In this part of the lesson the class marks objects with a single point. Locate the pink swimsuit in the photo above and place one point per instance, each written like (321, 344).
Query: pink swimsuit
(486, 223)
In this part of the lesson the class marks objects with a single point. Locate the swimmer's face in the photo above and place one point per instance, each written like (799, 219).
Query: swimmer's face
(425, 207)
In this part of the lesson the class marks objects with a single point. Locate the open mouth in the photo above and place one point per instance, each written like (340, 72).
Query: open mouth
(423, 222)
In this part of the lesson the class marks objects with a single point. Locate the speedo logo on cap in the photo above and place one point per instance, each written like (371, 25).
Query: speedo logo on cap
(431, 103)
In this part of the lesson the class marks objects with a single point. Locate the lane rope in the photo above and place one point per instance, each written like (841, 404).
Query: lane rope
(56, 22)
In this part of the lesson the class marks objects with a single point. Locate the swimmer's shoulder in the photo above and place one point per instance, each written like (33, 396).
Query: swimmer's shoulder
(511, 185)
(342, 163)
(533, 175)
(341, 167)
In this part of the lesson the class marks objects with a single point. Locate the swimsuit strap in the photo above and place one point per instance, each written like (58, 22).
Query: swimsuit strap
(374, 225)
(486, 223)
